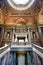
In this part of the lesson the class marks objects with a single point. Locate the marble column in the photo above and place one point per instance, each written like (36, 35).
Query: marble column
(15, 58)
(28, 59)
(16, 39)
(0, 62)
(40, 35)
(26, 40)
(37, 60)
(39, 29)
(21, 59)
(13, 35)
(2, 35)
(11, 58)
(4, 60)
(42, 61)
(29, 36)
(7, 58)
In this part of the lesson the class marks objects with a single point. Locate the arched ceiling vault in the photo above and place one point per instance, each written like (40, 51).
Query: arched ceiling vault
(35, 8)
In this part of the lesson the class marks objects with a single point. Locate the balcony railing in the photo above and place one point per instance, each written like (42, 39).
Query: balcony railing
(4, 50)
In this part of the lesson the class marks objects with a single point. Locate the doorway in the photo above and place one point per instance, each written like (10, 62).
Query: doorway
(21, 58)
(21, 40)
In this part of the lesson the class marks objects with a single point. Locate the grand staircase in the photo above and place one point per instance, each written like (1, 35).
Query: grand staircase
(21, 54)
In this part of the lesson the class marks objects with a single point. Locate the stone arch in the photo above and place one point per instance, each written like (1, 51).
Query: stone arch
(21, 21)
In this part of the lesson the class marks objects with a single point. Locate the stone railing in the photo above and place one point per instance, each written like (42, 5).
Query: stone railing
(4, 50)
(38, 50)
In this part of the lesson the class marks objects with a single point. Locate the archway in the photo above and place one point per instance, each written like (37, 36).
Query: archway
(21, 21)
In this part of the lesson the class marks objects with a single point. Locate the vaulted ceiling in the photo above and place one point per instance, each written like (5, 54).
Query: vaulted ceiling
(34, 9)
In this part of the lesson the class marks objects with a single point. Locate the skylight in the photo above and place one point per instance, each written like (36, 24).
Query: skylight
(20, 4)
(20, 1)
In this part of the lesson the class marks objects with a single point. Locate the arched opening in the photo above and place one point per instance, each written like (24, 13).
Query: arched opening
(21, 25)
(21, 21)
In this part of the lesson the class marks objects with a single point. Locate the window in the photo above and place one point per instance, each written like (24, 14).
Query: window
(20, 4)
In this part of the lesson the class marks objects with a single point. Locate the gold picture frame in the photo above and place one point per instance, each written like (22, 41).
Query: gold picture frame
(8, 35)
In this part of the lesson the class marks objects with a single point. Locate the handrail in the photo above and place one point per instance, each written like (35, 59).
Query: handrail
(38, 46)
(4, 50)
(38, 50)
(3, 47)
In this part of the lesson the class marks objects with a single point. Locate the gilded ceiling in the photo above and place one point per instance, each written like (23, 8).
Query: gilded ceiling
(33, 9)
